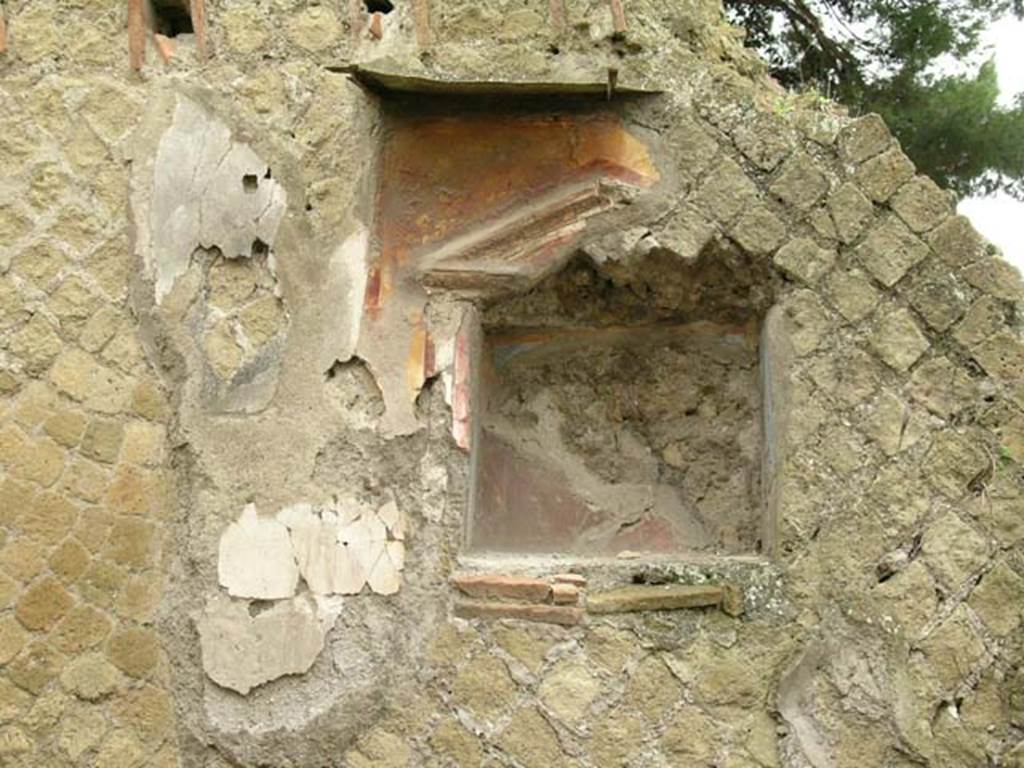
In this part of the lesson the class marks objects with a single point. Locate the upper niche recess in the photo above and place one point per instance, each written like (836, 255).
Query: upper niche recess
(625, 412)
(607, 404)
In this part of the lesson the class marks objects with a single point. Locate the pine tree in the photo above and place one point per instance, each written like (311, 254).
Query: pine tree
(893, 57)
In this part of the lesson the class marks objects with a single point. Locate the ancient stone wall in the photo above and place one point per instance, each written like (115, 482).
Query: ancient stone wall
(260, 284)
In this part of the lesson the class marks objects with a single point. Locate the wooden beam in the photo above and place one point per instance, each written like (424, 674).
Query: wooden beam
(421, 15)
(558, 15)
(197, 8)
(356, 19)
(618, 17)
(136, 34)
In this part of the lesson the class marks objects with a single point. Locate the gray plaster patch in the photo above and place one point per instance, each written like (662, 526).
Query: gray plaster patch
(207, 191)
(241, 651)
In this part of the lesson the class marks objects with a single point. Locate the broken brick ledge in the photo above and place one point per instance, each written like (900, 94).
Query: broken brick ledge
(554, 599)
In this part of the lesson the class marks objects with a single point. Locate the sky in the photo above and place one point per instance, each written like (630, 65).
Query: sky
(1001, 218)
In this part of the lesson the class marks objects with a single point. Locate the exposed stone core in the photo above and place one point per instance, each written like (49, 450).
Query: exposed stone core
(183, 335)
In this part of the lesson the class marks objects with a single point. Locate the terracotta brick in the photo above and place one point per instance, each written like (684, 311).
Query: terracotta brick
(497, 585)
(377, 25)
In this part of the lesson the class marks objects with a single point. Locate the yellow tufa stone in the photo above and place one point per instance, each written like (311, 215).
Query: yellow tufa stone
(134, 650)
(43, 604)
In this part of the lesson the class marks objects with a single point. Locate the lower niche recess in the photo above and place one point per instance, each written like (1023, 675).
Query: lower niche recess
(619, 424)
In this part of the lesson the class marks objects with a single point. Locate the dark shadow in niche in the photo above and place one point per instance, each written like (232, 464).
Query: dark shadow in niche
(171, 17)
(623, 408)
(379, 6)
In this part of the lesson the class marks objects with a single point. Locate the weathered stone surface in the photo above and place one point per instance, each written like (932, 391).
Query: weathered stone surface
(898, 340)
(996, 277)
(942, 387)
(43, 604)
(12, 638)
(241, 652)
(133, 431)
(941, 302)
(662, 597)
(758, 231)
(531, 740)
(853, 294)
(483, 686)
(954, 461)
(91, 677)
(652, 689)
(801, 182)
(986, 316)
(952, 650)
(134, 650)
(803, 259)
(921, 204)
(952, 550)
(956, 242)
(547, 614)
(864, 138)
(890, 250)
(568, 690)
(725, 192)
(999, 599)
(763, 141)
(1002, 356)
(909, 598)
(851, 212)
(881, 176)
(255, 558)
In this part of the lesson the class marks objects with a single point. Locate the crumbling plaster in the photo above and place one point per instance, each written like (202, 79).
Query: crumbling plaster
(142, 414)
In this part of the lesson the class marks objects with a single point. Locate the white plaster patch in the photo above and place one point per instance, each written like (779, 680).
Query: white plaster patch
(344, 549)
(241, 651)
(346, 287)
(207, 191)
(255, 558)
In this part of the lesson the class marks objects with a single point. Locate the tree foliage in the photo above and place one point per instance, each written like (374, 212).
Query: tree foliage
(918, 63)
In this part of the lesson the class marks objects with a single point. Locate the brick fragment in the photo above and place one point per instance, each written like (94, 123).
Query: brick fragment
(164, 46)
(565, 594)
(545, 614)
(500, 586)
(377, 25)
(660, 597)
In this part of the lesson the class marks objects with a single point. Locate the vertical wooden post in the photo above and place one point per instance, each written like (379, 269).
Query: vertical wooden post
(618, 17)
(3, 31)
(558, 15)
(136, 34)
(197, 9)
(421, 14)
(356, 19)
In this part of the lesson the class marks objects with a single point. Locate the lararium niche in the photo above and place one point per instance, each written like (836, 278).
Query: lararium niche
(610, 399)
(623, 410)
